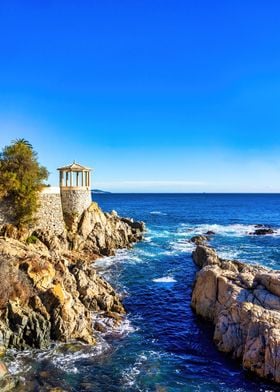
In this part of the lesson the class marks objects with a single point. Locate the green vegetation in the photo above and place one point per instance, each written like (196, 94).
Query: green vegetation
(21, 178)
(31, 239)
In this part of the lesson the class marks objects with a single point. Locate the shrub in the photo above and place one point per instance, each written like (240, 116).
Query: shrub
(14, 283)
(31, 239)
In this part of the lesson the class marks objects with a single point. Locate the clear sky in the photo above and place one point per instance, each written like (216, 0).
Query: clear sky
(155, 95)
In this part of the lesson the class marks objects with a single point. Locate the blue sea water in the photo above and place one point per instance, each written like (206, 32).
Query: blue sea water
(163, 345)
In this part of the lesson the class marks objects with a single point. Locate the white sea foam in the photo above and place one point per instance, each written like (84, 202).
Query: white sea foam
(142, 364)
(233, 230)
(165, 279)
(130, 374)
(123, 329)
(121, 256)
(229, 253)
(153, 234)
(182, 245)
(62, 356)
(157, 213)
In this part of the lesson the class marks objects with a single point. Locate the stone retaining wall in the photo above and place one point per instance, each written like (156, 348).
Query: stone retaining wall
(55, 210)
(49, 216)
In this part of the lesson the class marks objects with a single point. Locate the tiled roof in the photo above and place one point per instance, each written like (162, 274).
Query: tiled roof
(73, 167)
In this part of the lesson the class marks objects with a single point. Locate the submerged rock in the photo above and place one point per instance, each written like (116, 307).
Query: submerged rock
(243, 302)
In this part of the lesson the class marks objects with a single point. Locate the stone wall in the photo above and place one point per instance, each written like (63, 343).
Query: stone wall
(74, 203)
(49, 216)
(56, 210)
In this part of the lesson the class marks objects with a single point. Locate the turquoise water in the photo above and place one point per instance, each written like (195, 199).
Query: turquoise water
(163, 346)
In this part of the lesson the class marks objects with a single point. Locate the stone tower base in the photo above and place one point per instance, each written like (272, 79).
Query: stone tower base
(74, 203)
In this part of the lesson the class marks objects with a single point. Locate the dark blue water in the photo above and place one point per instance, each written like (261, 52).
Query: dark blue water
(164, 346)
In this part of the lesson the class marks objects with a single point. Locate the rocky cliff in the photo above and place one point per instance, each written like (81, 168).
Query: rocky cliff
(243, 302)
(49, 287)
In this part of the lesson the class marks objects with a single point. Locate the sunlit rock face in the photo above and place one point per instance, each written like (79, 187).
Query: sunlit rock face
(243, 302)
(50, 289)
(47, 298)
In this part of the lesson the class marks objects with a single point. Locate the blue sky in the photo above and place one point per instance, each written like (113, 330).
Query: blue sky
(155, 95)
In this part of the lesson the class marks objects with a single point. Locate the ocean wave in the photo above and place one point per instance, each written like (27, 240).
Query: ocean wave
(121, 256)
(181, 246)
(67, 356)
(124, 327)
(165, 279)
(129, 375)
(157, 213)
(143, 362)
(63, 356)
(158, 233)
(232, 230)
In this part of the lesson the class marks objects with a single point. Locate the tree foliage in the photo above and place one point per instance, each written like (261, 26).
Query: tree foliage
(21, 179)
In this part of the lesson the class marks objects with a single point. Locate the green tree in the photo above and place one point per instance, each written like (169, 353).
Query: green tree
(21, 179)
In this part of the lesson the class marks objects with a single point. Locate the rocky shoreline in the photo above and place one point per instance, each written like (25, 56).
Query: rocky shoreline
(243, 303)
(50, 290)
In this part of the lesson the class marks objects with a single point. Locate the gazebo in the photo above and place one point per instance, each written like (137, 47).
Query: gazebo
(74, 176)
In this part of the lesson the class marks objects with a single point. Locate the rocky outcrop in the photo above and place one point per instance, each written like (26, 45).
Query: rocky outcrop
(199, 239)
(263, 231)
(49, 288)
(243, 302)
(45, 298)
(97, 233)
(103, 233)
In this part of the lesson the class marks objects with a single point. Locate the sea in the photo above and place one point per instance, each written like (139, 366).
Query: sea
(162, 346)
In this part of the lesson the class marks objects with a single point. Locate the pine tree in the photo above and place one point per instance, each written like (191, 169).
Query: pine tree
(21, 179)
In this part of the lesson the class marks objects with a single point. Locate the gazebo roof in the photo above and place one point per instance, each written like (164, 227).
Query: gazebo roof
(74, 167)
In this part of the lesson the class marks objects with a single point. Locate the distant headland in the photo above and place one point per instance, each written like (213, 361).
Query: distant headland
(99, 191)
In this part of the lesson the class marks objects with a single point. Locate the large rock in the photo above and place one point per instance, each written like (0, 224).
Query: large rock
(263, 231)
(103, 233)
(199, 239)
(45, 298)
(243, 302)
(50, 289)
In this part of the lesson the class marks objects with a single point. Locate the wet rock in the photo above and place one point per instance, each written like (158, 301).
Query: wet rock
(210, 232)
(243, 302)
(3, 370)
(263, 231)
(199, 239)
(8, 383)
